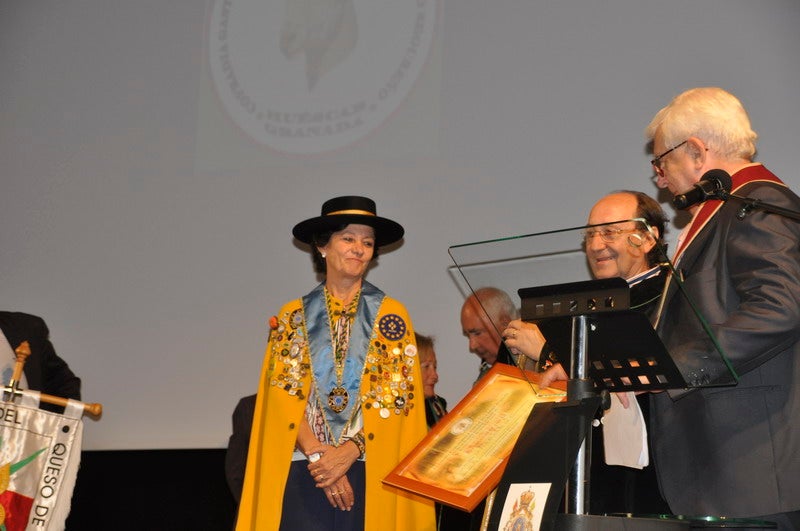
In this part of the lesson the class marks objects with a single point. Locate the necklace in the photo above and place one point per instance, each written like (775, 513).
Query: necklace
(340, 321)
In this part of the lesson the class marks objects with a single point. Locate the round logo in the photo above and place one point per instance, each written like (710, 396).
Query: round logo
(392, 326)
(308, 76)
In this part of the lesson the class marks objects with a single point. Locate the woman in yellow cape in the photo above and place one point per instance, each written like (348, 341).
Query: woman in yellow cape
(340, 401)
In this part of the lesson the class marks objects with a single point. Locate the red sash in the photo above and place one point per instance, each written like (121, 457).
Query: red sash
(747, 175)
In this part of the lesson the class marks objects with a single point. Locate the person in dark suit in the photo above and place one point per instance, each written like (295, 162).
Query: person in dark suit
(236, 454)
(44, 370)
(615, 246)
(729, 450)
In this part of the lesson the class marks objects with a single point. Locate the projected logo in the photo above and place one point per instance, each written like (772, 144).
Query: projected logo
(308, 76)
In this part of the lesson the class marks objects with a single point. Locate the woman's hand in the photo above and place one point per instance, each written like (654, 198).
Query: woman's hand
(341, 495)
(328, 466)
(524, 338)
(332, 465)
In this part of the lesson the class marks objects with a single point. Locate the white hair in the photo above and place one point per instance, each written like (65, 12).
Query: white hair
(497, 304)
(711, 114)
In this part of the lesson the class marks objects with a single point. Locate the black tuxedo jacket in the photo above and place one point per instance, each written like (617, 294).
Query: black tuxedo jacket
(735, 450)
(44, 370)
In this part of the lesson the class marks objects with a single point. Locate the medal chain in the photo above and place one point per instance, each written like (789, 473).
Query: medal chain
(340, 323)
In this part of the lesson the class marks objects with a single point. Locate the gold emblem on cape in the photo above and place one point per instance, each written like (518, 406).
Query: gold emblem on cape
(337, 399)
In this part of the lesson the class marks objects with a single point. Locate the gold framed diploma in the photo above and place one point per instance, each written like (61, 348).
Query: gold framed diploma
(464, 455)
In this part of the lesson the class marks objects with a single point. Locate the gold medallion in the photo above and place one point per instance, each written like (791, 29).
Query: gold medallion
(337, 399)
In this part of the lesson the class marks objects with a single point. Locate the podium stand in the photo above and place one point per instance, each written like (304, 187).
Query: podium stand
(544, 454)
(612, 347)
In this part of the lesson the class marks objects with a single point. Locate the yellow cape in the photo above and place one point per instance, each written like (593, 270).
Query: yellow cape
(280, 407)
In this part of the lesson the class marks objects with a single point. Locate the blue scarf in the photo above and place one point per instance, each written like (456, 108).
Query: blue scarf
(321, 351)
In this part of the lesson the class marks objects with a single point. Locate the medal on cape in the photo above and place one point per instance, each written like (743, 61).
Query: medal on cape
(338, 398)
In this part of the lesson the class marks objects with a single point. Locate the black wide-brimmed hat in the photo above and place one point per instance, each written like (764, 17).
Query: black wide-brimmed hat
(344, 210)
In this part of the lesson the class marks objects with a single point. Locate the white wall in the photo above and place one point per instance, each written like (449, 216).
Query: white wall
(145, 212)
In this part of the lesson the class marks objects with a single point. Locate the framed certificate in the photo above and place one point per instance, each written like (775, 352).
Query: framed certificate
(464, 455)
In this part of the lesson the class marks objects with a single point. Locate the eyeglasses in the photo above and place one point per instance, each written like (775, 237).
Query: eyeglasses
(656, 162)
(606, 234)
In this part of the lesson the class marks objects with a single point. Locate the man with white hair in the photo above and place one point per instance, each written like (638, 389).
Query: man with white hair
(732, 451)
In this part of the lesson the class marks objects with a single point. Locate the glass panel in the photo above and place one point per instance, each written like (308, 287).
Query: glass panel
(547, 263)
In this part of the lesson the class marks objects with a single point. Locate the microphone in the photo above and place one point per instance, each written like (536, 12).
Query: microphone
(715, 184)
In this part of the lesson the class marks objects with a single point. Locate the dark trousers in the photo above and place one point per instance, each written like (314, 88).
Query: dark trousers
(306, 507)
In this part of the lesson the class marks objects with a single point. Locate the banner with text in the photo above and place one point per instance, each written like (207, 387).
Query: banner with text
(39, 456)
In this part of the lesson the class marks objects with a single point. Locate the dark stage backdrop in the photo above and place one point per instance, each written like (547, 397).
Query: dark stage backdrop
(157, 490)
(155, 155)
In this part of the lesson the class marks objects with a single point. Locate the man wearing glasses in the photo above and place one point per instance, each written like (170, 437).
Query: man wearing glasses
(617, 243)
(623, 239)
(732, 451)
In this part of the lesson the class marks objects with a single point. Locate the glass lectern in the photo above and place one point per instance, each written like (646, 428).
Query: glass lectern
(602, 330)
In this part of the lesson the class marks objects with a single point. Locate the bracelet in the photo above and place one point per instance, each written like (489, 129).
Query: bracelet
(358, 440)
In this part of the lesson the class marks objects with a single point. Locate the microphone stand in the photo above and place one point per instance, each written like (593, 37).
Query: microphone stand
(749, 204)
